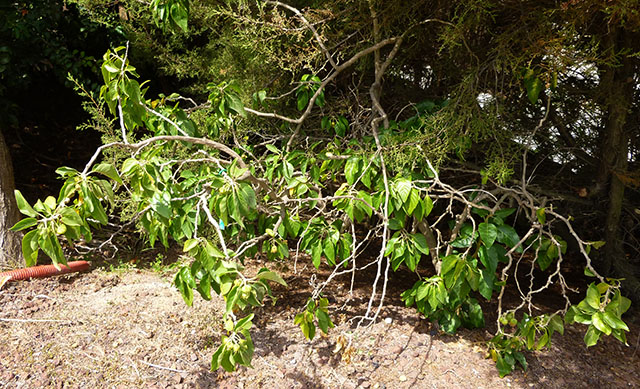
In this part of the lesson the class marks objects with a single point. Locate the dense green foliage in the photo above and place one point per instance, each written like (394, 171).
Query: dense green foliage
(42, 42)
(428, 132)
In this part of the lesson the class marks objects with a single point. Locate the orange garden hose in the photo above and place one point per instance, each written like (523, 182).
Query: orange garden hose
(44, 271)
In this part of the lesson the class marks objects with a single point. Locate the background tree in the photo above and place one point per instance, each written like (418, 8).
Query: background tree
(41, 42)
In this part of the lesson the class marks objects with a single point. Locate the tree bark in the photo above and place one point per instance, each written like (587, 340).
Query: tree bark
(617, 85)
(10, 242)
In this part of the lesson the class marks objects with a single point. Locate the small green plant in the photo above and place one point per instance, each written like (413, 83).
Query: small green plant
(316, 313)
(602, 311)
(531, 333)
(122, 265)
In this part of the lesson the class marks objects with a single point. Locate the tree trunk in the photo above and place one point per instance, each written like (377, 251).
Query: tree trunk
(617, 85)
(10, 246)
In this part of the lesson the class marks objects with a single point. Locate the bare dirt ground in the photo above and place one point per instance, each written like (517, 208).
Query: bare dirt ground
(131, 329)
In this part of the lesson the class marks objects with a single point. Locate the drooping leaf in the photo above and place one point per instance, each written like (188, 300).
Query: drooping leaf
(324, 322)
(70, 217)
(488, 232)
(402, 188)
(24, 223)
(533, 84)
(316, 254)
(179, 15)
(593, 296)
(420, 242)
(352, 169)
(30, 247)
(599, 323)
(412, 201)
(271, 276)
(23, 205)
(613, 321)
(591, 336)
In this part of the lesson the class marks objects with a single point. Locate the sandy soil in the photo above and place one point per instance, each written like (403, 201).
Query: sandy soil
(131, 329)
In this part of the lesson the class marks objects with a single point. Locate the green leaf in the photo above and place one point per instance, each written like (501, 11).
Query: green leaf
(330, 251)
(213, 251)
(423, 291)
(24, 223)
(543, 260)
(552, 251)
(396, 224)
(598, 322)
(488, 233)
(273, 149)
(108, 170)
(449, 322)
(23, 205)
(618, 305)
(592, 336)
(533, 84)
(420, 242)
(308, 329)
(504, 213)
(50, 203)
(324, 322)
(488, 258)
(402, 189)
(521, 360)
(614, 322)
(485, 286)
(588, 272)
(235, 104)
(593, 296)
(184, 282)
(543, 341)
(190, 244)
(473, 310)
(204, 287)
(448, 264)
(569, 317)
(508, 236)
(556, 324)
(67, 171)
(271, 276)
(179, 15)
(302, 101)
(216, 357)
(247, 200)
(427, 205)
(261, 95)
(351, 169)
(244, 323)
(160, 205)
(227, 361)
(503, 367)
(30, 247)
(70, 217)
(390, 246)
(412, 201)
(341, 126)
(465, 238)
(620, 335)
(316, 254)
(51, 246)
(110, 68)
(542, 217)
